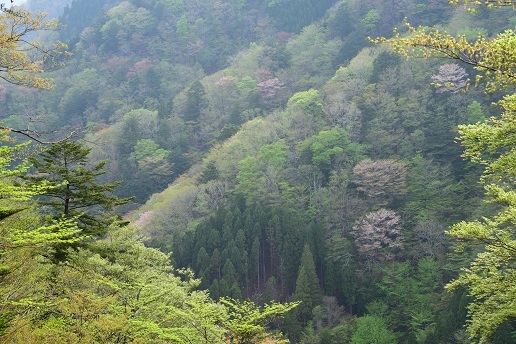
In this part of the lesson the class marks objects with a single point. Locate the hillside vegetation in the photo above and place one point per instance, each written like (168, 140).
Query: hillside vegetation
(271, 149)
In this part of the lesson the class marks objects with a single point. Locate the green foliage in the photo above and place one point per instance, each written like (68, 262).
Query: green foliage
(411, 297)
(490, 278)
(308, 290)
(247, 323)
(431, 189)
(120, 290)
(228, 131)
(274, 155)
(9, 173)
(147, 148)
(78, 15)
(492, 144)
(75, 192)
(209, 173)
(370, 20)
(182, 26)
(292, 15)
(156, 102)
(307, 102)
(23, 230)
(248, 175)
(494, 58)
(372, 329)
(16, 210)
(196, 101)
(475, 113)
(332, 146)
(78, 99)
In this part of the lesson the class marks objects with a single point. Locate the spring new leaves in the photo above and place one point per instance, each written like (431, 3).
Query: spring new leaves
(491, 277)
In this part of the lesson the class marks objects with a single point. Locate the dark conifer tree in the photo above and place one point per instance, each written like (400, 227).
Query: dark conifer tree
(210, 172)
(308, 290)
(76, 192)
(196, 101)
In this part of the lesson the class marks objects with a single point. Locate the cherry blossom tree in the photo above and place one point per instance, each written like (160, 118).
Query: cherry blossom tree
(378, 236)
(380, 180)
(450, 78)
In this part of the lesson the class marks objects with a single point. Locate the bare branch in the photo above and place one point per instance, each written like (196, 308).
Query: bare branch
(34, 135)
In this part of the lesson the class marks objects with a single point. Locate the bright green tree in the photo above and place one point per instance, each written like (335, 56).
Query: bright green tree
(247, 323)
(15, 196)
(329, 146)
(491, 278)
(23, 231)
(371, 329)
(249, 175)
(116, 291)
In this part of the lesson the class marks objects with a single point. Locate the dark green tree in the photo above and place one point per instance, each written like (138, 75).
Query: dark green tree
(196, 101)
(76, 193)
(209, 172)
(293, 15)
(308, 290)
(230, 279)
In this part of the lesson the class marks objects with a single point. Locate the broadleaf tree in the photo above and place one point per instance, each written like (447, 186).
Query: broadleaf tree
(22, 60)
(491, 277)
(247, 323)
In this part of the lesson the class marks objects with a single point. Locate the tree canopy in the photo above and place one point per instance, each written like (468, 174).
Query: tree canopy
(292, 161)
(491, 278)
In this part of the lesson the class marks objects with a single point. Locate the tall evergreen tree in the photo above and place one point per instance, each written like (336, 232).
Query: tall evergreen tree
(76, 193)
(196, 101)
(308, 290)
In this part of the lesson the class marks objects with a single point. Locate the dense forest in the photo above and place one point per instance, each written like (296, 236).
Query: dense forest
(258, 171)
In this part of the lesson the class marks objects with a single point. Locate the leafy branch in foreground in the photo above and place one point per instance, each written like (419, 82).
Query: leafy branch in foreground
(471, 4)
(491, 277)
(22, 229)
(247, 322)
(494, 58)
(21, 60)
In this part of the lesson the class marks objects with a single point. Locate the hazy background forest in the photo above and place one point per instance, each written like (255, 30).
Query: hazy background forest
(277, 153)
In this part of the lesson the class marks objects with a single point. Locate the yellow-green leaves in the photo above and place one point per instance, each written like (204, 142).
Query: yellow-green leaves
(491, 278)
(247, 322)
(21, 60)
(493, 57)
(472, 4)
(493, 143)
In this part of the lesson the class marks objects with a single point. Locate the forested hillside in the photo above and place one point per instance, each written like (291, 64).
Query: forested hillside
(279, 154)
